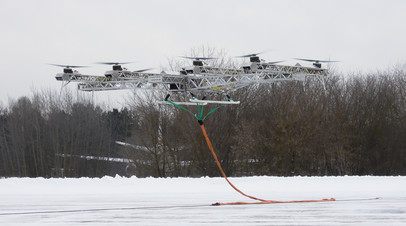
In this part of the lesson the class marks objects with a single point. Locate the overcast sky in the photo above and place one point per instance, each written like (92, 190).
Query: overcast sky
(364, 35)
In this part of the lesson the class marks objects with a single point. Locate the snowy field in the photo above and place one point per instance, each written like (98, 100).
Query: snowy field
(187, 201)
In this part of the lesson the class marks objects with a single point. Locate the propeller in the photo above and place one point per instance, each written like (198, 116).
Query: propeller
(114, 63)
(197, 61)
(67, 72)
(142, 70)
(254, 58)
(317, 61)
(67, 66)
(274, 62)
(252, 54)
(198, 58)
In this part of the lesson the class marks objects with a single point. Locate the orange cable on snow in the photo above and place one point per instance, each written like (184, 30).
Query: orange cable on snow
(261, 201)
(221, 169)
(271, 201)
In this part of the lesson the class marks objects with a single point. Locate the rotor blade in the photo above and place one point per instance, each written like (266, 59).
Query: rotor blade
(67, 66)
(274, 62)
(328, 61)
(309, 60)
(320, 61)
(142, 70)
(114, 63)
(198, 58)
(252, 54)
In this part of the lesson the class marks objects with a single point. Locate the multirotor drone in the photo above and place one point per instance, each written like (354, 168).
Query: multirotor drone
(198, 78)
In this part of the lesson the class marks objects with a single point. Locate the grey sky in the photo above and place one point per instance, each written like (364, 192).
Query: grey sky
(363, 35)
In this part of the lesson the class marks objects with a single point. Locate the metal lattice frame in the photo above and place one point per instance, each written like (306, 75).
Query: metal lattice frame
(204, 79)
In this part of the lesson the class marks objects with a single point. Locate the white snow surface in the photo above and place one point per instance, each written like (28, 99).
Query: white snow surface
(187, 201)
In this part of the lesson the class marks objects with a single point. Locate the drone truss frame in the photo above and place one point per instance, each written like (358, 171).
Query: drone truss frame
(208, 79)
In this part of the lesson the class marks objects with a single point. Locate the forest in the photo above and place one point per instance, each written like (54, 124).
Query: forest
(341, 125)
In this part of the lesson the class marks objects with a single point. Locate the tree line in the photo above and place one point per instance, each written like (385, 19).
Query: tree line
(341, 125)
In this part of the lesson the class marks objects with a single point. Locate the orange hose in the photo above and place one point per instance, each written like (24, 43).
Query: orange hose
(262, 201)
(272, 201)
(221, 169)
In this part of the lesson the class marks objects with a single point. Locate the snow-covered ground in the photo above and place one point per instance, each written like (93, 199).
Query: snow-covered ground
(187, 201)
